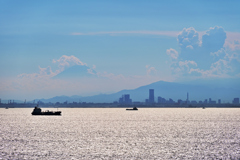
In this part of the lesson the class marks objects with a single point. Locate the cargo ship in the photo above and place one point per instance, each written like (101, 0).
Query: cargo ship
(133, 109)
(38, 111)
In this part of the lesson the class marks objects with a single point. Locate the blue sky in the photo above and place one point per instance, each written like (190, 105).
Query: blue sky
(127, 44)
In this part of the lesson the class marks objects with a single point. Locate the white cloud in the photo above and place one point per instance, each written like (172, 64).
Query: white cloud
(45, 71)
(116, 33)
(188, 39)
(151, 71)
(220, 68)
(91, 71)
(183, 67)
(233, 45)
(187, 63)
(63, 62)
(187, 35)
(68, 61)
(172, 53)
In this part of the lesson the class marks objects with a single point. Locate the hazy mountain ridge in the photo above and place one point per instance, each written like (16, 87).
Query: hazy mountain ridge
(164, 89)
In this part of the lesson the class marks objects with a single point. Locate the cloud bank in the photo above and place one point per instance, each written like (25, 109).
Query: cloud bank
(206, 56)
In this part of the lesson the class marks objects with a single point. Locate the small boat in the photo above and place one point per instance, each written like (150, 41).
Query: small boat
(133, 109)
(203, 107)
(6, 108)
(38, 111)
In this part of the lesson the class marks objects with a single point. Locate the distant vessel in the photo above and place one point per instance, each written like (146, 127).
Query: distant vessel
(203, 107)
(6, 108)
(38, 111)
(134, 109)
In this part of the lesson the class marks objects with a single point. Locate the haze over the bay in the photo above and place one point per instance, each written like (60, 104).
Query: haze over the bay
(53, 48)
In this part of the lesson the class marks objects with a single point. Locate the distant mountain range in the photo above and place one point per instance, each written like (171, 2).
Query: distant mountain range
(197, 91)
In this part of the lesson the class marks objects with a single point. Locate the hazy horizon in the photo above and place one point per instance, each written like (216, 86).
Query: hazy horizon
(53, 48)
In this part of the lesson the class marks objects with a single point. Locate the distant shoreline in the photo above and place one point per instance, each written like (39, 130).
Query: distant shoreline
(112, 105)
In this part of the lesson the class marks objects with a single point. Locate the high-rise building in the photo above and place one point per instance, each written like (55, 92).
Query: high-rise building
(146, 101)
(125, 99)
(187, 101)
(219, 101)
(151, 96)
(236, 101)
(170, 101)
(205, 101)
(180, 101)
(193, 102)
(161, 100)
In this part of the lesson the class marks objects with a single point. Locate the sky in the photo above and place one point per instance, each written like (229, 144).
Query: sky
(53, 48)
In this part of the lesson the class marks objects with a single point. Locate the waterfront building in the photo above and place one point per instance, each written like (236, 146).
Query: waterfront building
(205, 101)
(187, 101)
(146, 101)
(161, 100)
(180, 101)
(213, 102)
(125, 99)
(235, 101)
(170, 101)
(151, 96)
(193, 102)
(219, 101)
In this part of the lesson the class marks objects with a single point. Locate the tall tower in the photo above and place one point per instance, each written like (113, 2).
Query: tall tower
(151, 96)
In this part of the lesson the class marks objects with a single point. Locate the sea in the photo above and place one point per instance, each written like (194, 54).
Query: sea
(114, 133)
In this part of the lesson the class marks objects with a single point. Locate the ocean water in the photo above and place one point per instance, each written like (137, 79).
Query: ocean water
(110, 133)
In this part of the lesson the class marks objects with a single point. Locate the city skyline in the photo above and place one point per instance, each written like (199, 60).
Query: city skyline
(88, 48)
(125, 99)
(152, 100)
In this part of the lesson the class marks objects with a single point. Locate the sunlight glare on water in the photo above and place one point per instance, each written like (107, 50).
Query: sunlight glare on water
(110, 133)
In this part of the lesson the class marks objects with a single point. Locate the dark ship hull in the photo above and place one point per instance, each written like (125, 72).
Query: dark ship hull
(133, 109)
(38, 111)
(47, 113)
